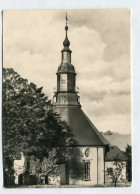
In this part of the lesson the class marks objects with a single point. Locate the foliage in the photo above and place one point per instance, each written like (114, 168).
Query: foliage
(8, 171)
(76, 164)
(128, 153)
(115, 171)
(29, 123)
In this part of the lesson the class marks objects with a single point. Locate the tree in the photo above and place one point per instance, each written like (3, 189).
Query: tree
(128, 153)
(76, 165)
(29, 123)
(115, 171)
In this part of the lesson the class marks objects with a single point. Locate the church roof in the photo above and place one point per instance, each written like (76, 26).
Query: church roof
(66, 68)
(83, 129)
(115, 153)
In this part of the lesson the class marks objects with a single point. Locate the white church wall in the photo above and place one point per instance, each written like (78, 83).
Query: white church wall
(100, 166)
(94, 167)
(96, 159)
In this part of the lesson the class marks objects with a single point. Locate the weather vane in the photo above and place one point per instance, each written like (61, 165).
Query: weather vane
(66, 18)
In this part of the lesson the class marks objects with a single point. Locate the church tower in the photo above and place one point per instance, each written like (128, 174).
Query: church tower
(66, 94)
(66, 101)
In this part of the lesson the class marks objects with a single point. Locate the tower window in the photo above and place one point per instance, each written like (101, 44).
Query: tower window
(87, 171)
(63, 82)
(54, 99)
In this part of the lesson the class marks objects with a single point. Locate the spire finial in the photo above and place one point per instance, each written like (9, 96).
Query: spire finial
(66, 27)
(66, 18)
(66, 42)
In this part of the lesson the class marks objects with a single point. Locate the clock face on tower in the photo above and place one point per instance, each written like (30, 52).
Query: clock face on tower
(66, 57)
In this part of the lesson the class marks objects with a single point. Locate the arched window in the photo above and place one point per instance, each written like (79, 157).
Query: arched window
(87, 171)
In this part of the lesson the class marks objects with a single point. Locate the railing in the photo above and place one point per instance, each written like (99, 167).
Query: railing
(64, 90)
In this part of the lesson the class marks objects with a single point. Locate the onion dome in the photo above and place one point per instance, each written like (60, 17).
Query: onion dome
(66, 42)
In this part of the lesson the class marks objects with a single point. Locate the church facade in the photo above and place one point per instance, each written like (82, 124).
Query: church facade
(95, 148)
(96, 152)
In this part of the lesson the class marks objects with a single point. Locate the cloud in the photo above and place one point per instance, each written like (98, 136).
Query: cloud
(116, 122)
(112, 25)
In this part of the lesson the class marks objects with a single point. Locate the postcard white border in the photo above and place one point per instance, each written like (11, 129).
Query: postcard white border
(134, 7)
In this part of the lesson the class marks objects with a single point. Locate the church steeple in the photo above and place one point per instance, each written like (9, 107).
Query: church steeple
(67, 104)
(66, 42)
(66, 93)
(66, 52)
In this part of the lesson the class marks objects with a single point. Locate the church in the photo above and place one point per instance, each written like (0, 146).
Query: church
(97, 153)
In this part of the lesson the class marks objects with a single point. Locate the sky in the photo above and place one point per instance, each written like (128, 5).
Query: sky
(100, 44)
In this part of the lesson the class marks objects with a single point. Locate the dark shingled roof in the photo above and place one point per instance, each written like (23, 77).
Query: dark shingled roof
(115, 152)
(83, 129)
(66, 68)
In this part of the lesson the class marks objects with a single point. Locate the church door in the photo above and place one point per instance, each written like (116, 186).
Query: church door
(62, 174)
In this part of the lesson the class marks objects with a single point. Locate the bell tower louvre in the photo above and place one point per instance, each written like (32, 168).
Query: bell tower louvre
(66, 101)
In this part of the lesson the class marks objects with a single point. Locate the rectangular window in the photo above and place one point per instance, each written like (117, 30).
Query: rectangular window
(63, 82)
(87, 171)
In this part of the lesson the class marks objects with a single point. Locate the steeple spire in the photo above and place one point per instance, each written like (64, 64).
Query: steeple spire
(66, 42)
(66, 94)
(66, 27)
(66, 17)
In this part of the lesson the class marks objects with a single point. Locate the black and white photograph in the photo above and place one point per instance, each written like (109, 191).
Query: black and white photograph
(66, 98)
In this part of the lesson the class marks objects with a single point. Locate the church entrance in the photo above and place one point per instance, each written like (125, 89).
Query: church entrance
(63, 174)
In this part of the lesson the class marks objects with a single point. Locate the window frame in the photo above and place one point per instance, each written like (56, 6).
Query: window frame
(87, 171)
(63, 82)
